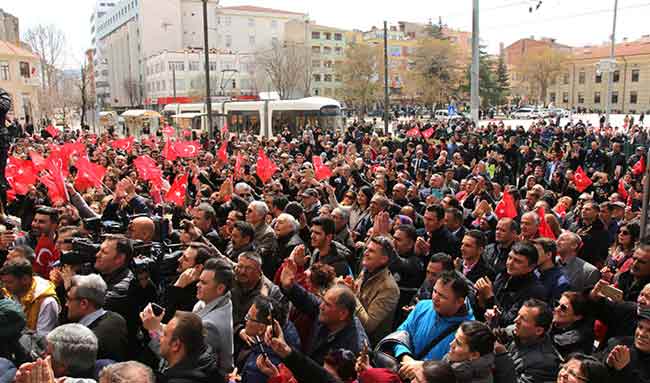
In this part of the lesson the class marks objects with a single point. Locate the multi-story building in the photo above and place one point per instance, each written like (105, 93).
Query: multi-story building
(178, 76)
(582, 86)
(9, 28)
(20, 76)
(99, 62)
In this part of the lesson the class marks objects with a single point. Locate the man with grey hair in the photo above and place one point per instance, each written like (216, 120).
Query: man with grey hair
(127, 372)
(86, 297)
(204, 217)
(287, 229)
(342, 234)
(73, 348)
(265, 241)
(582, 274)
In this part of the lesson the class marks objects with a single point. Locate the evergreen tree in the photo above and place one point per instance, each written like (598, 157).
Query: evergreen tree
(437, 30)
(488, 84)
(502, 80)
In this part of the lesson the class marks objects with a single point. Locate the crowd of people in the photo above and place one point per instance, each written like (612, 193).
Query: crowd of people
(441, 252)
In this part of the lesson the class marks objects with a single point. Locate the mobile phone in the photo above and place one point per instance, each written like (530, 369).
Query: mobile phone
(612, 293)
(261, 346)
(157, 309)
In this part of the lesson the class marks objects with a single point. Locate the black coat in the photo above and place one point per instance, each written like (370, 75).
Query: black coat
(638, 370)
(510, 294)
(112, 336)
(496, 257)
(202, 368)
(480, 270)
(579, 337)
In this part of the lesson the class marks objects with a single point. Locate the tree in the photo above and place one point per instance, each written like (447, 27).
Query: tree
(437, 30)
(502, 80)
(288, 68)
(488, 84)
(48, 42)
(361, 73)
(538, 68)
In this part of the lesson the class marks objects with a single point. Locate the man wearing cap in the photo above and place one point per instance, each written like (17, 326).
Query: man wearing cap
(311, 203)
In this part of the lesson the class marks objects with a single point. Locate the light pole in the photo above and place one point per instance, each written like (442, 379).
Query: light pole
(474, 90)
(206, 51)
(610, 75)
(386, 99)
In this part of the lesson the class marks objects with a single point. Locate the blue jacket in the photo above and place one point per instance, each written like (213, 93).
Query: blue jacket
(423, 325)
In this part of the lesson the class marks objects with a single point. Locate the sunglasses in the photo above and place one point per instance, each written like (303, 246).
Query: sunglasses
(562, 307)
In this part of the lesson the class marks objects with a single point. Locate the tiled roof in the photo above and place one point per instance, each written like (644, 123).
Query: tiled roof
(10, 49)
(252, 8)
(632, 48)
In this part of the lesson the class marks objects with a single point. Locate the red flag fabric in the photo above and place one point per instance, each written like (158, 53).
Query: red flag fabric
(55, 183)
(265, 167)
(506, 207)
(70, 149)
(20, 174)
(560, 209)
(45, 255)
(581, 180)
(52, 130)
(237, 171)
(224, 128)
(428, 133)
(88, 174)
(176, 193)
(415, 132)
(187, 149)
(168, 131)
(168, 151)
(621, 189)
(58, 160)
(148, 170)
(639, 167)
(150, 141)
(37, 160)
(222, 154)
(321, 171)
(187, 133)
(125, 144)
(544, 228)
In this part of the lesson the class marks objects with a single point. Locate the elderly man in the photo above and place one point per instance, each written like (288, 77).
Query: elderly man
(265, 241)
(529, 226)
(286, 229)
(85, 303)
(311, 203)
(582, 275)
(141, 228)
(343, 235)
(204, 217)
(496, 254)
(127, 372)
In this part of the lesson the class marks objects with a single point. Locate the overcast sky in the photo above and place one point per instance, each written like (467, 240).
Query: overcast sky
(571, 22)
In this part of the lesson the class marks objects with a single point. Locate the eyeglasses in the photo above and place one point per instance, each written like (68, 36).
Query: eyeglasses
(562, 307)
(565, 372)
(249, 318)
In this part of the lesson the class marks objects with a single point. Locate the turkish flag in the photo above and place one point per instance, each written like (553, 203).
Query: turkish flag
(37, 160)
(70, 149)
(581, 180)
(169, 131)
(52, 130)
(20, 174)
(639, 167)
(237, 170)
(55, 183)
(58, 160)
(506, 207)
(621, 189)
(45, 255)
(265, 167)
(321, 171)
(150, 141)
(88, 174)
(560, 209)
(148, 170)
(187, 149)
(177, 191)
(125, 144)
(544, 228)
(415, 132)
(428, 133)
(222, 154)
(168, 151)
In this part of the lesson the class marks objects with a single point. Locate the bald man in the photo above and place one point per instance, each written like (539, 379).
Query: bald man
(141, 228)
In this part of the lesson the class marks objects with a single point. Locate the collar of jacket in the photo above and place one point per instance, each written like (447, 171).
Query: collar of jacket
(217, 303)
(116, 275)
(517, 282)
(368, 276)
(471, 370)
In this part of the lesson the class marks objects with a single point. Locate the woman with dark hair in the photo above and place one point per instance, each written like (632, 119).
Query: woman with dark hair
(620, 259)
(583, 369)
(572, 330)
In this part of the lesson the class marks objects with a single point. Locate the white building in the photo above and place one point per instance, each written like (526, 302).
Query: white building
(99, 62)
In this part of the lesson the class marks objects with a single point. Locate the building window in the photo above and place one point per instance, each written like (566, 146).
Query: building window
(599, 78)
(315, 49)
(581, 98)
(596, 97)
(315, 63)
(228, 41)
(251, 22)
(338, 78)
(194, 66)
(251, 41)
(328, 63)
(4, 71)
(616, 76)
(565, 97)
(180, 84)
(338, 37)
(24, 69)
(633, 97)
(213, 65)
(552, 96)
(316, 92)
(565, 80)
(338, 50)
(635, 75)
(274, 24)
(315, 35)
(327, 78)
(228, 20)
(328, 35)
(581, 78)
(327, 50)
(177, 65)
(316, 78)
(615, 97)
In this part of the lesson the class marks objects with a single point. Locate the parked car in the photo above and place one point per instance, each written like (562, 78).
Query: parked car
(525, 114)
(563, 113)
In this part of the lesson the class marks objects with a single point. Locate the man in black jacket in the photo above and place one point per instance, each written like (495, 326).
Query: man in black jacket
(85, 303)
(407, 268)
(633, 280)
(473, 265)
(595, 238)
(496, 254)
(628, 358)
(438, 238)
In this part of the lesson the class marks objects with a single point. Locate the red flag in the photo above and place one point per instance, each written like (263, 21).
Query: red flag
(55, 183)
(187, 133)
(224, 128)
(37, 160)
(560, 209)
(506, 207)
(428, 133)
(20, 174)
(176, 193)
(169, 131)
(321, 171)
(581, 180)
(187, 149)
(639, 167)
(415, 132)
(621, 189)
(52, 130)
(265, 167)
(222, 154)
(168, 151)
(148, 170)
(88, 174)
(544, 228)
(45, 255)
(237, 170)
(125, 144)
(58, 160)
(150, 141)
(70, 149)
